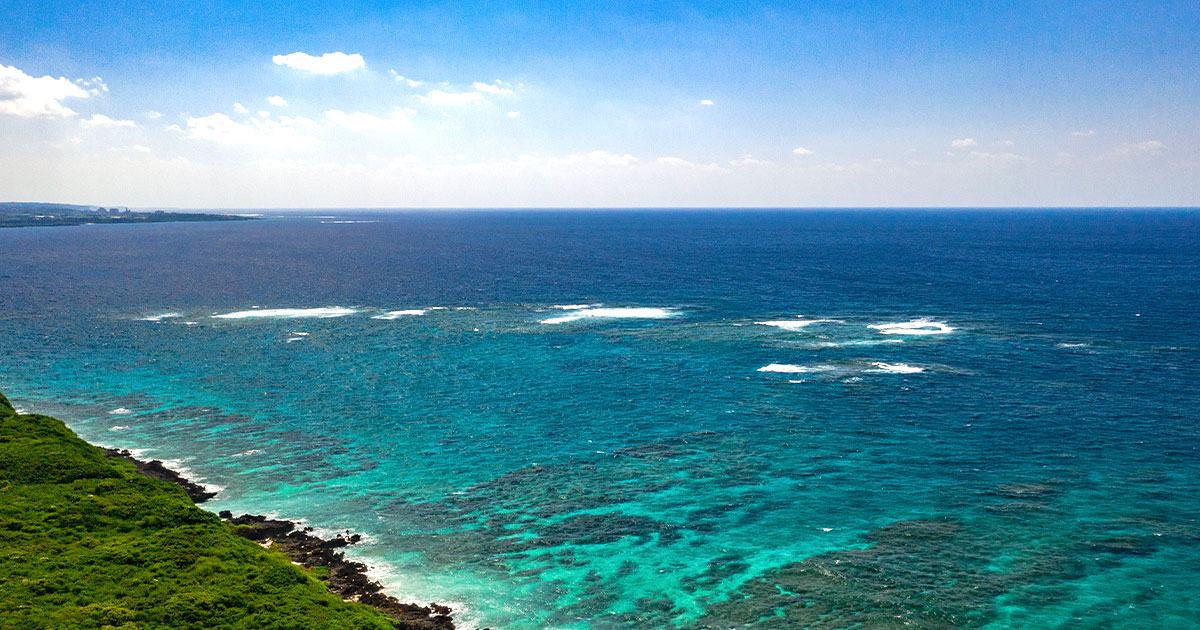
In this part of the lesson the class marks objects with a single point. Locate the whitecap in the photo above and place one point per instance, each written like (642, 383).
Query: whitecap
(914, 327)
(253, 451)
(787, 368)
(119, 411)
(573, 307)
(797, 324)
(160, 317)
(118, 428)
(343, 222)
(399, 314)
(190, 323)
(612, 313)
(288, 313)
(292, 339)
(1071, 345)
(896, 368)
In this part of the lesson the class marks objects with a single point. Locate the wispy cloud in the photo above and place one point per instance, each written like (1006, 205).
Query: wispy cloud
(1084, 134)
(439, 98)
(962, 143)
(326, 64)
(706, 102)
(997, 157)
(36, 97)
(153, 115)
(361, 121)
(222, 129)
(277, 101)
(102, 121)
(412, 83)
(802, 151)
(1134, 148)
(497, 88)
(241, 109)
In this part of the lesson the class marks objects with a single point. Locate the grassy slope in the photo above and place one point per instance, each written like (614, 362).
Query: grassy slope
(87, 543)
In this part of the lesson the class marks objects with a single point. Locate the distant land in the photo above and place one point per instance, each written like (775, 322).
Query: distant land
(30, 214)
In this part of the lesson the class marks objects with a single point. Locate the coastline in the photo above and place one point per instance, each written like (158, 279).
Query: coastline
(64, 498)
(347, 579)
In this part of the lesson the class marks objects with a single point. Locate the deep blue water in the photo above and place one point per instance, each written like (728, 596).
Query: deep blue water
(1029, 462)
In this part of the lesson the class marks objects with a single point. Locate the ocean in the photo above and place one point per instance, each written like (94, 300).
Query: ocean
(663, 419)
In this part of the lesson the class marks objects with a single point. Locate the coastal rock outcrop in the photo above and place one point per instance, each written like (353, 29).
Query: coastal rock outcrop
(346, 578)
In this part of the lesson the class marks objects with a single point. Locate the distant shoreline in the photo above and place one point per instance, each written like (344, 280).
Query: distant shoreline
(18, 220)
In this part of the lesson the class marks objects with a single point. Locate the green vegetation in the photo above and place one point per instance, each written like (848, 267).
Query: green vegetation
(14, 214)
(87, 543)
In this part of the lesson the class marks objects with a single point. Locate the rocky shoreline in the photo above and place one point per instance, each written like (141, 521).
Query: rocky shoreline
(345, 578)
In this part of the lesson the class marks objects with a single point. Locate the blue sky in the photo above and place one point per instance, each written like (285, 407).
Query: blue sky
(601, 104)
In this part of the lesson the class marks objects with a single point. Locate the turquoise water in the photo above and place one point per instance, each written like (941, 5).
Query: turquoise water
(748, 419)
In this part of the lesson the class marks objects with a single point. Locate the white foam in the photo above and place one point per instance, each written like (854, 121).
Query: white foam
(896, 368)
(300, 334)
(329, 222)
(612, 313)
(787, 368)
(293, 339)
(189, 323)
(399, 314)
(573, 307)
(914, 327)
(253, 451)
(288, 313)
(1071, 345)
(118, 428)
(159, 317)
(119, 411)
(797, 324)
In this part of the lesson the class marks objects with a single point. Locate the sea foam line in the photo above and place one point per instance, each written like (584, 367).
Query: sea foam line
(612, 313)
(787, 368)
(288, 313)
(797, 324)
(402, 313)
(896, 368)
(159, 317)
(915, 327)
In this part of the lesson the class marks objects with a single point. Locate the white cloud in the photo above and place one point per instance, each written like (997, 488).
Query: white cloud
(410, 82)
(492, 88)
(41, 97)
(102, 121)
(262, 113)
(95, 85)
(1084, 134)
(223, 130)
(277, 101)
(360, 121)
(1145, 146)
(1000, 157)
(438, 98)
(1005, 143)
(802, 151)
(749, 160)
(962, 143)
(241, 109)
(133, 148)
(153, 115)
(513, 114)
(706, 102)
(328, 63)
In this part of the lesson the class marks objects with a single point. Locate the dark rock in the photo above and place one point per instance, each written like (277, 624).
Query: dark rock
(156, 470)
(347, 578)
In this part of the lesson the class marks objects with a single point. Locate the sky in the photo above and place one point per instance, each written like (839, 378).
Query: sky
(270, 104)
